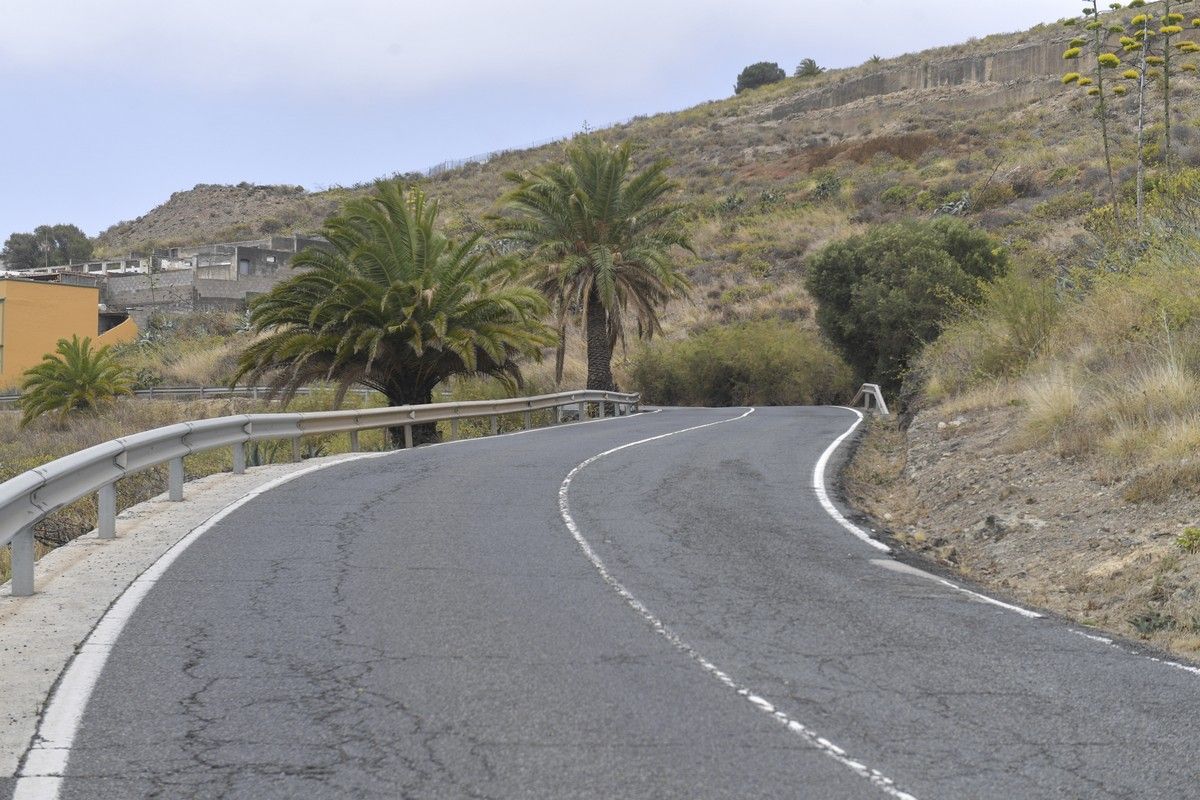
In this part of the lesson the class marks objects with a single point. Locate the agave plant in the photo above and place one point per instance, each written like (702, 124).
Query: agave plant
(396, 306)
(73, 378)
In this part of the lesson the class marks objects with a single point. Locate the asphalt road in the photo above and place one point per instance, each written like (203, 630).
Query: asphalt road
(427, 625)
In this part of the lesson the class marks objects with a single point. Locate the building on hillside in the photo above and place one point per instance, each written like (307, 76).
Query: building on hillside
(180, 280)
(34, 315)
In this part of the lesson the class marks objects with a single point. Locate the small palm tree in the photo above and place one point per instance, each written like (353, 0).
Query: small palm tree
(808, 68)
(72, 378)
(601, 234)
(396, 306)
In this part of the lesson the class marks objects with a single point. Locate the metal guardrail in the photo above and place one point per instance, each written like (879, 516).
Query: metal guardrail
(868, 392)
(33, 495)
(164, 392)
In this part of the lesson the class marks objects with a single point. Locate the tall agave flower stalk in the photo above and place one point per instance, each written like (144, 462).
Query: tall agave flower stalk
(1139, 45)
(1094, 84)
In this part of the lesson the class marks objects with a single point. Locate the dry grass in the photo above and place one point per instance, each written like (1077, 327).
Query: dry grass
(1053, 402)
(874, 478)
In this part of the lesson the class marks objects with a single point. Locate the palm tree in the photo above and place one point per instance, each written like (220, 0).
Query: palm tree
(72, 378)
(601, 234)
(396, 306)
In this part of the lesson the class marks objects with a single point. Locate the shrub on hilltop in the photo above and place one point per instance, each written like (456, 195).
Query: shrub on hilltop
(759, 74)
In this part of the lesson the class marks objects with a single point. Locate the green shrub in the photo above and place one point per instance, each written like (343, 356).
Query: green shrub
(884, 294)
(828, 186)
(899, 195)
(1189, 540)
(759, 74)
(769, 362)
(1062, 206)
(993, 195)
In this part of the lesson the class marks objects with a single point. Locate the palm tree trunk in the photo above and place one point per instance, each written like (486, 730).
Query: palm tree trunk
(599, 346)
(560, 353)
(425, 433)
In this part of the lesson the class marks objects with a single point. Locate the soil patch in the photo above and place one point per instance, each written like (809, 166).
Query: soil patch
(1048, 531)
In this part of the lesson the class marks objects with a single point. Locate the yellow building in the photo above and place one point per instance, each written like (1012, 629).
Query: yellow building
(35, 315)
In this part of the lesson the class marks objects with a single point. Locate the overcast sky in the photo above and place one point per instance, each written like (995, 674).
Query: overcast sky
(108, 106)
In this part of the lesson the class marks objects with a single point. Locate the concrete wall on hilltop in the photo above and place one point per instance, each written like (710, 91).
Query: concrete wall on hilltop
(1021, 64)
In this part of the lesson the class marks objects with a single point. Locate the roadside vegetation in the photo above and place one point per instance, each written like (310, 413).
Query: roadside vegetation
(600, 237)
(75, 378)
(396, 306)
(768, 362)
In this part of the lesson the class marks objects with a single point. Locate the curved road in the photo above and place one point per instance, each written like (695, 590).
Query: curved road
(684, 620)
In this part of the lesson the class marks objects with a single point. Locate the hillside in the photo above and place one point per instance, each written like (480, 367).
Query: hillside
(750, 165)
(984, 128)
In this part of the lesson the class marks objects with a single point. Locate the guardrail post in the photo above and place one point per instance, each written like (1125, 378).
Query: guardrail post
(495, 424)
(600, 406)
(175, 480)
(353, 441)
(239, 458)
(21, 551)
(558, 415)
(106, 512)
(528, 420)
(296, 450)
(454, 429)
(408, 437)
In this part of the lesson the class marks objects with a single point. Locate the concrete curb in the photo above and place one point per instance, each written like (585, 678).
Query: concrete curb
(78, 582)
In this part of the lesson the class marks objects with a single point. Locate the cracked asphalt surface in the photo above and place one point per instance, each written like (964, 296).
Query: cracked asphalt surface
(424, 626)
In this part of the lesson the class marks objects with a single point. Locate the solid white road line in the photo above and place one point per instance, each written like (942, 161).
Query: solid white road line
(896, 566)
(877, 778)
(901, 567)
(818, 482)
(41, 773)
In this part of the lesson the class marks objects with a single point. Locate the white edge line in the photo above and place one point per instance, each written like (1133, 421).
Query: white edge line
(818, 483)
(44, 766)
(874, 776)
(908, 569)
(826, 503)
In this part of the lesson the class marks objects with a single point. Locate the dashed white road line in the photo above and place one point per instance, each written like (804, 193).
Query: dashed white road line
(876, 778)
(1166, 662)
(43, 769)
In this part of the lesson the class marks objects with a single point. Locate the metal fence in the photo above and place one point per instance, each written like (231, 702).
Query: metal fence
(168, 392)
(869, 392)
(33, 495)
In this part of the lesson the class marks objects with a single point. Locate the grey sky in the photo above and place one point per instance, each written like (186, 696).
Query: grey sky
(111, 105)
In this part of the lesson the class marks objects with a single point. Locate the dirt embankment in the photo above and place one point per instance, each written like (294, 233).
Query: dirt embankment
(1047, 531)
